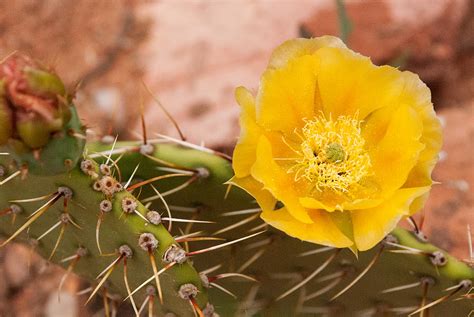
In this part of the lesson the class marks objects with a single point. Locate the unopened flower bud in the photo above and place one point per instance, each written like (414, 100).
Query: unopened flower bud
(33, 102)
(6, 117)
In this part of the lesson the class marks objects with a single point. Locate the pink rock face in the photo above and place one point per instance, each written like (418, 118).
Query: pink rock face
(449, 209)
(198, 52)
(406, 32)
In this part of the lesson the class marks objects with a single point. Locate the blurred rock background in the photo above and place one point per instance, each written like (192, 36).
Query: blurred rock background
(193, 53)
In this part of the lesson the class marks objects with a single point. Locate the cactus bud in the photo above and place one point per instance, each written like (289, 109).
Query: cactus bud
(39, 125)
(33, 100)
(43, 83)
(6, 117)
(32, 131)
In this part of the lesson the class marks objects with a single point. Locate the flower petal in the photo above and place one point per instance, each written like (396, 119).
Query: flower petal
(362, 203)
(372, 225)
(264, 198)
(309, 202)
(295, 48)
(288, 95)
(394, 145)
(244, 153)
(432, 132)
(349, 83)
(277, 181)
(321, 231)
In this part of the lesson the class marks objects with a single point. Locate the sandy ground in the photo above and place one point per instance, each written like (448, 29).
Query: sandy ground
(193, 54)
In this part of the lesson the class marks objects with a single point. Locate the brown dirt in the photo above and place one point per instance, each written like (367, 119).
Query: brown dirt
(195, 53)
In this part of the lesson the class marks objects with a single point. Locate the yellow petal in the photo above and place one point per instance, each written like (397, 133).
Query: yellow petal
(372, 225)
(288, 95)
(418, 96)
(397, 151)
(321, 231)
(418, 203)
(420, 99)
(312, 203)
(277, 181)
(244, 153)
(264, 198)
(295, 48)
(349, 83)
(362, 203)
(375, 127)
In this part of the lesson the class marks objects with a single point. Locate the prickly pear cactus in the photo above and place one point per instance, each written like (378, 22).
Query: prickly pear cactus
(404, 272)
(153, 223)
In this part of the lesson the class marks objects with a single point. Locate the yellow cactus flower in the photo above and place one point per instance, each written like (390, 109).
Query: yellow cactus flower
(335, 149)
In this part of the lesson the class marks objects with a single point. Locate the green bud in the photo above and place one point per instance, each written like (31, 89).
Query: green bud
(34, 132)
(35, 98)
(36, 115)
(49, 85)
(6, 117)
(6, 122)
(43, 83)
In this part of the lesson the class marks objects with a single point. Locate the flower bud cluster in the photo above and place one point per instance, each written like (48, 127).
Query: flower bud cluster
(33, 102)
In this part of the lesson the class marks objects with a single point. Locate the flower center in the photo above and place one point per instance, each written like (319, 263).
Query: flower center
(332, 154)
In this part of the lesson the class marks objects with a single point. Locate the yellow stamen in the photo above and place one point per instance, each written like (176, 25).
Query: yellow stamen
(332, 154)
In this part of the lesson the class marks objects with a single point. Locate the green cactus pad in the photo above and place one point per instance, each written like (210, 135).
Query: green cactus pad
(117, 229)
